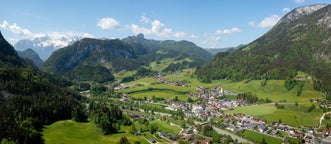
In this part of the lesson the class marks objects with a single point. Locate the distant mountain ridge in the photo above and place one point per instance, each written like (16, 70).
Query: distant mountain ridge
(45, 46)
(31, 55)
(116, 55)
(300, 41)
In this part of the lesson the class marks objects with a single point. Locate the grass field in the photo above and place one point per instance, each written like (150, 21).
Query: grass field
(165, 127)
(257, 137)
(274, 90)
(159, 94)
(69, 132)
(254, 110)
(290, 115)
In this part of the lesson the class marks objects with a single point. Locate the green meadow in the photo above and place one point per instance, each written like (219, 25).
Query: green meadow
(70, 132)
(165, 127)
(291, 115)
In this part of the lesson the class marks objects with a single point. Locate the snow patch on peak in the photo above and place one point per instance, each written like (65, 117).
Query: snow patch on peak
(302, 11)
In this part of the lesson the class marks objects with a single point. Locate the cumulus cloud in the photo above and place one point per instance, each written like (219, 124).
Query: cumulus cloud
(137, 30)
(193, 36)
(286, 9)
(228, 31)
(157, 28)
(269, 21)
(210, 41)
(108, 23)
(299, 1)
(144, 19)
(251, 23)
(15, 29)
(58, 39)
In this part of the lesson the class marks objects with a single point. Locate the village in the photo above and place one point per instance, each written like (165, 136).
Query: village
(211, 103)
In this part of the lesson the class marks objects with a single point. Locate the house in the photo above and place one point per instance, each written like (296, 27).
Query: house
(206, 141)
(163, 134)
(152, 140)
(326, 140)
(261, 128)
(195, 141)
(326, 132)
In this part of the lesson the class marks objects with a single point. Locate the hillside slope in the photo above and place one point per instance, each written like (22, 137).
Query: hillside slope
(300, 41)
(117, 55)
(31, 55)
(29, 98)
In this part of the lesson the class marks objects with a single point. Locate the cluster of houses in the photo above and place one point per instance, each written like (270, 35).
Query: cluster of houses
(214, 105)
(240, 122)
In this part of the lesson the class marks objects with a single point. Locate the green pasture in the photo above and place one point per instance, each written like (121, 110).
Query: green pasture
(274, 90)
(291, 115)
(255, 110)
(70, 132)
(257, 137)
(165, 127)
(159, 94)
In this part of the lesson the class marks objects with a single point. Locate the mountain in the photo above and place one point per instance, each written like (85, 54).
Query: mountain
(300, 41)
(116, 55)
(170, 48)
(45, 46)
(31, 55)
(214, 51)
(29, 98)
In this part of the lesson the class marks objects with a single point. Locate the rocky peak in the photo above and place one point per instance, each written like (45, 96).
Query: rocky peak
(135, 39)
(301, 11)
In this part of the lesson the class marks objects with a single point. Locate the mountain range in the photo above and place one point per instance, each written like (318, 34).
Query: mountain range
(300, 41)
(45, 46)
(117, 55)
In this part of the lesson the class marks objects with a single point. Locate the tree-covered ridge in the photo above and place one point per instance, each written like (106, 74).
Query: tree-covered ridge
(97, 73)
(116, 55)
(299, 45)
(30, 54)
(29, 99)
(91, 51)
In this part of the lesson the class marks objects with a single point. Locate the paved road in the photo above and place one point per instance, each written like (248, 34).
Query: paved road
(233, 136)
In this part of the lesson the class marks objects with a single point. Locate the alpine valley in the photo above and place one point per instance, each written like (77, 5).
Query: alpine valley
(275, 89)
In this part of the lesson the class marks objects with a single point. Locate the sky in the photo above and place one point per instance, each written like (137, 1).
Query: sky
(207, 23)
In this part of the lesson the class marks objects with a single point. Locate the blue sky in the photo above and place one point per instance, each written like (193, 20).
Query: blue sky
(208, 23)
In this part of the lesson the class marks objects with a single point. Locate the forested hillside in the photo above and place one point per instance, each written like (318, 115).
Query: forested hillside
(29, 99)
(299, 42)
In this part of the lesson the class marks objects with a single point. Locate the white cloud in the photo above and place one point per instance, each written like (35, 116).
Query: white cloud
(251, 23)
(137, 30)
(144, 19)
(269, 21)
(299, 1)
(211, 41)
(58, 39)
(179, 34)
(15, 29)
(193, 36)
(157, 28)
(228, 31)
(108, 23)
(286, 9)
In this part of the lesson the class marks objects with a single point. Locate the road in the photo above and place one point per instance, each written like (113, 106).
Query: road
(233, 136)
(321, 119)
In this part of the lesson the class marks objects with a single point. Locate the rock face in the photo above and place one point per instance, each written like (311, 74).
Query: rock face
(300, 41)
